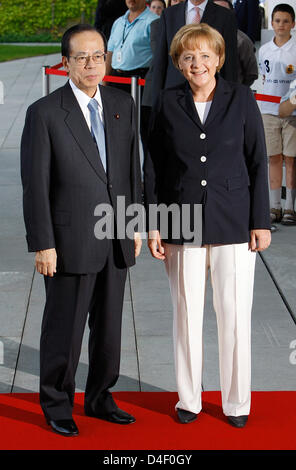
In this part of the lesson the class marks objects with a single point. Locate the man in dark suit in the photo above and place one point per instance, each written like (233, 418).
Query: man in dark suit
(165, 75)
(106, 13)
(80, 150)
(249, 18)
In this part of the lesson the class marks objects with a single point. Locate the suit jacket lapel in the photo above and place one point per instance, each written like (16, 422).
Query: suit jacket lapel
(209, 13)
(80, 131)
(179, 18)
(221, 97)
(185, 99)
(109, 109)
(220, 101)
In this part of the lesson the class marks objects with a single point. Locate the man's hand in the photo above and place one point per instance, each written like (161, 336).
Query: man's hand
(138, 243)
(155, 245)
(260, 240)
(46, 262)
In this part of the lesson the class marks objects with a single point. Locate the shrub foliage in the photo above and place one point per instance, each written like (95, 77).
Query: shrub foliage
(46, 19)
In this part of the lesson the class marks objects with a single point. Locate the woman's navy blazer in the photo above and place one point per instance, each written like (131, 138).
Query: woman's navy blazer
(221, 164)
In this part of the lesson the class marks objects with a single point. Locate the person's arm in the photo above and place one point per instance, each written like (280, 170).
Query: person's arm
(154, 166)
(36, 174)
(254, 20)
(109, 62)
(160, 60)
(110, 49)
(99, 19)
(261, 65)
(288, 101)
(247, 58)
(135, 175)
(229, 69)
(286, 108)
(256, 161)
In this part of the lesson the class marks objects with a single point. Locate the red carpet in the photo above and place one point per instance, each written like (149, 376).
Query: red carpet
(271, 425)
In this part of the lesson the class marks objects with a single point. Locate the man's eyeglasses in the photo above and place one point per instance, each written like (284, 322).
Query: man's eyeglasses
(98, 58)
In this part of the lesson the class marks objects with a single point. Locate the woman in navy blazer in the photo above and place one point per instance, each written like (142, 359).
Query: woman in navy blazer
(207, 148)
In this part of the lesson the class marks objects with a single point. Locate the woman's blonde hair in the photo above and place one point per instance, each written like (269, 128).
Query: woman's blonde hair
(191, 36)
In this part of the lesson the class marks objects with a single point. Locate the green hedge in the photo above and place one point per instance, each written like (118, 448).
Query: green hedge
(43, 20)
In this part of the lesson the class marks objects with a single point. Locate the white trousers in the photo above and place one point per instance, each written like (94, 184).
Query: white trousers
(232, 274)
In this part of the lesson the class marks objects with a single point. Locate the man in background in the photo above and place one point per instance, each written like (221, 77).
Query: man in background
(165, 75)
(249, 18)
(129, 51)
(106, 13)
(247, 62)
(157, 6)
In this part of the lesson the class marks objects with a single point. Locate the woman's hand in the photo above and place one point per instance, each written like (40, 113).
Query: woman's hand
(260, 239)
(155, 245)
(138, 243)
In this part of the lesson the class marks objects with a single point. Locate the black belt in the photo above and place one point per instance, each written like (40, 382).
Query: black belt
(136, 72)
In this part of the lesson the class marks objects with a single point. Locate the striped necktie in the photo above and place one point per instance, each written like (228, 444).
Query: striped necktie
(97, 130)
(196, 18)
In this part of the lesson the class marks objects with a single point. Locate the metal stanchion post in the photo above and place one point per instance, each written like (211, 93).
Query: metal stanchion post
(139, 104)
(136, 94)
(45, 81)
(135, 89)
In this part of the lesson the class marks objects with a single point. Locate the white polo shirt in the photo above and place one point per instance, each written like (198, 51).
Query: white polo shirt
(278, 67)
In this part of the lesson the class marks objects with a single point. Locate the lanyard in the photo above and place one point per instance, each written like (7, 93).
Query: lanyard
(124, 36)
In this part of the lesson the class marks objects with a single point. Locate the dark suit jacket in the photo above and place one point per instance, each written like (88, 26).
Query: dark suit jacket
(64, 179)
(235, 198)
(107, 12)
(249, 18)
(165, 74)
(147, 98)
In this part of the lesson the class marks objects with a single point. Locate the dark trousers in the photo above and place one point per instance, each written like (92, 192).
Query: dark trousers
(69, 298)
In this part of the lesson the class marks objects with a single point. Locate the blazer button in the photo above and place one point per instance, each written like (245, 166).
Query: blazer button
(110, 186)
(203, 159)
(202, 136)
(203, 182)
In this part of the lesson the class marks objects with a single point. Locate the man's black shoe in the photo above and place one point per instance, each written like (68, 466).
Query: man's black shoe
(65, 427)
(118, 416)
(186, 417)
(238, 421)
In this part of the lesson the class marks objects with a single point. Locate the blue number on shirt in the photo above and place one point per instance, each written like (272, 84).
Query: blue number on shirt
(266, 62)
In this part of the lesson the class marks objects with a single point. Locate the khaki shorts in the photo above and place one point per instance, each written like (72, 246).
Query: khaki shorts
(280, 135)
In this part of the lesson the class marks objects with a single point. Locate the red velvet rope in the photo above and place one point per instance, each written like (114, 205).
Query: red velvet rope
(127, 80)
(108, 78)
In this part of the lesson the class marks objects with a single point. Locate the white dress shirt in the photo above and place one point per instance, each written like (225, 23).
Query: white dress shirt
(190, 13)
(83, 100)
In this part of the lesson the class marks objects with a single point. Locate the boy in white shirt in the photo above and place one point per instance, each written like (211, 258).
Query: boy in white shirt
(277, 62)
